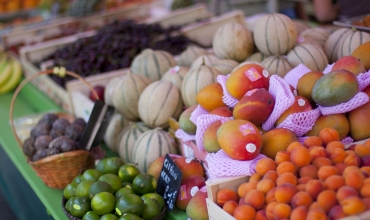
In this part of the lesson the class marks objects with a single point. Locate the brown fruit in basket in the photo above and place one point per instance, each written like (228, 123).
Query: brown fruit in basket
(48, 119)
(54, 133)
(42, 153)
(80, 122)
(38, 130)
(28, 149)
(42, 142)
(60, 124)
(68, 145)
(52, 151)
(74, 132)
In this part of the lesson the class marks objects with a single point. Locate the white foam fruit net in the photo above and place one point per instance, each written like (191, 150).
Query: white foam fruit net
(203, 122)
(221, 165)
(181, 134)
(295, 74)
(284, 98)
(198, 111)
(328, 68)
(226, 98)
(301, 122)
(359, 99)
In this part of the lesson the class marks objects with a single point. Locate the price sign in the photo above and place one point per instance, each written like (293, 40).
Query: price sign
(169, 182)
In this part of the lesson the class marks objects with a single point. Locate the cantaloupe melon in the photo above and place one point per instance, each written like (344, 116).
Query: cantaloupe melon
(109, 90)
(275, 34)
(195, 80)
(333, 42)
(152, 63)
(188, 56)
(208, 60)
(127, 139)
(351, 41)
(311, 55)
(225, 66)
(151, 145)
(277, 65)
(233, 41)
(158, 102)
(175, 75)
(127, 93)
(115, 127)
(257, 57)
(317, 35)
(301, 26)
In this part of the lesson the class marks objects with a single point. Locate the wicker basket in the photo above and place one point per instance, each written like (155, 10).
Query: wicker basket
(56, 171)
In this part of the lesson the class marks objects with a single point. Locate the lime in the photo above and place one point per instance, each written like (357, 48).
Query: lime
(124, 184)
(151, 209)
(113, 180)
(155, 196)
(83, 188)
(129, 216)
(124, 191)
(70, 190)
(128, 172)
(109, 216)
(109, 165)
(91, 215)
(144, 183)
(77, 179)
(130, 203)
(69, 203)
(103, 203)
(99, 186)
(91, 174)
(80, 206)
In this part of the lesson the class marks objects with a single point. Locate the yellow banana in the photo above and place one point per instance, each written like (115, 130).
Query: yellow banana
(16, 76)
(5, 70)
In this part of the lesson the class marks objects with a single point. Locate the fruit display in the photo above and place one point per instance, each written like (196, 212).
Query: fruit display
(10, 73)
(112, 190)
(52, 135)
(18, 5)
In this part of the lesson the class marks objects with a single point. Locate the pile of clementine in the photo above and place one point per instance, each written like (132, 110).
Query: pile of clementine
(318, 179)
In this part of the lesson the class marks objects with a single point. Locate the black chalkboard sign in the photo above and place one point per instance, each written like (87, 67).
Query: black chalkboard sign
(169, 181)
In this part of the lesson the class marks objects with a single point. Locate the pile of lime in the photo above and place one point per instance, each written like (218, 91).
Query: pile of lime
(113, 190)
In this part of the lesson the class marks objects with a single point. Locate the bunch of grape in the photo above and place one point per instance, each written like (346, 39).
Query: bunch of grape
(115, 46)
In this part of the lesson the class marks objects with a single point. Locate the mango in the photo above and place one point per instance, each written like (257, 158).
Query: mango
(189, 166)
(222, 111)
(210, 138)
(335, 87)
(362, 53)
(185, 123)
(187, 188)
(300, 104)
(210, 97)
(277, 139)
(256, 106)
(358, 129)
(349, 63)
(305, 85)
(339, 122)
(197, 207)
(240, 139)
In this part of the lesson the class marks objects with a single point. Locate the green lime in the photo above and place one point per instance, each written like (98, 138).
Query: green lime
(109, 216)
(113, 180)
(129, 203)
(83, 188)
(70, 190)
(77, 179)
(124, 184)
(91, 174)
(129, 216)
(80, 206)
(128, 172)
(99, 186)
(124, 191)
(144, 183)
(152, 208)
(155, 196)
(109, 165)
(69, 203)
(103, 203)
(91, 215)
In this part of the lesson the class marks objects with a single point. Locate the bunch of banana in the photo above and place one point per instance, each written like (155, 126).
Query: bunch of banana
(10, 73)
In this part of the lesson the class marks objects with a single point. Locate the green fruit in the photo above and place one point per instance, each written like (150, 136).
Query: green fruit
(334, 88)
(70, 190)
(151, 209)
(91, 215)
(130, 203)
(125, 184)
(144, 183)
(77, 179)
(185, 123)
(124, 191)
(155, 196)
(69, 203)
(109, 165)
(91, 174)
(103, 203)
(83, 188)
(113, 180)
(80, 206)
(109, 216)
(129, 216)
(128, 172)
(99, 186)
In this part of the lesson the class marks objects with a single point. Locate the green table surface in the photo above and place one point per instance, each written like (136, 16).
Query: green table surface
(30, 101)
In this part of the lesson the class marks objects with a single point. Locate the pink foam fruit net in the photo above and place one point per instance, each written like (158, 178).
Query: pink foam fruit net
(226, 98)
(203, 122)
(198, 111)
(295, 74)
(359, 99)
(181, 134)
(284, 98)
(221, 165)
(301, 122)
